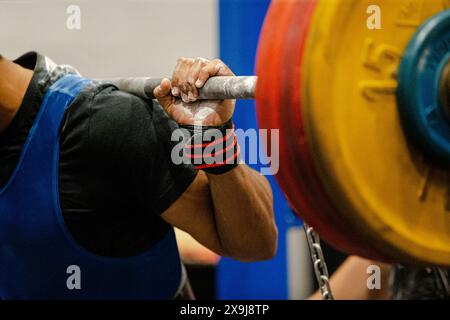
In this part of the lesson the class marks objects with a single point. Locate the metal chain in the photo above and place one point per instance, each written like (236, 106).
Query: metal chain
(320, 267)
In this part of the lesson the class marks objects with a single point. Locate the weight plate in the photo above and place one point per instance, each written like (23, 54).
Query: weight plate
(317, 210)
(425, 121)
(268, 90)
(282, 40)
(378, 184)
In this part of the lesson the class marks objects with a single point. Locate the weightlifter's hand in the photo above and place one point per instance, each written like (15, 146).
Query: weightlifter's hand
(179, 96)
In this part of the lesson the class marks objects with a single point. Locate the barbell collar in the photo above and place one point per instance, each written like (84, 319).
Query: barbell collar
(216, 88)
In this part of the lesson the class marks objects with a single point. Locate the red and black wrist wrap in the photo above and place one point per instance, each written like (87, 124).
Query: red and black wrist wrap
(214, 150)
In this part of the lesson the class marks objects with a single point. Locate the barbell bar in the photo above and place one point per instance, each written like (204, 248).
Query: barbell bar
(227, 87)
(216, 88)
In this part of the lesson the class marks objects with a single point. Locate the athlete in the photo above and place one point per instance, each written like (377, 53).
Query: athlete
(89, 191)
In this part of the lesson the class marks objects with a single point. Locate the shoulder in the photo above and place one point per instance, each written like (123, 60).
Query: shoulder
(103, 120)
(107, 101)
(102, 100)
(119, 117)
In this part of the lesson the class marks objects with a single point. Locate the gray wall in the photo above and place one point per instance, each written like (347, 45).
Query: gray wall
(117, 37)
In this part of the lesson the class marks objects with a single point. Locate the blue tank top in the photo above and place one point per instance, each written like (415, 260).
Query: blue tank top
(39, 259)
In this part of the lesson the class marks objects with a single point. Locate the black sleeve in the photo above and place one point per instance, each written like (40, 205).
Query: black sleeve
(129, 138)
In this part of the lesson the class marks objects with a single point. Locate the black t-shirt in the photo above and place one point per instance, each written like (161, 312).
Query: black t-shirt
(115, 172)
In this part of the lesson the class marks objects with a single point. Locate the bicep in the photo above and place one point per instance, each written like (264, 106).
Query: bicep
(193, 213)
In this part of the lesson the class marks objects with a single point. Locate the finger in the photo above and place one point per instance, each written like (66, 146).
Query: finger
(182, 76)
(163, 90)
(175, 77)
(194, 72)
(213, 68)
(184, 87)
(163, 94)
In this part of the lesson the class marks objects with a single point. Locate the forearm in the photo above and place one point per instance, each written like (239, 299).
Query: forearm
(243, 211)
(230, 213)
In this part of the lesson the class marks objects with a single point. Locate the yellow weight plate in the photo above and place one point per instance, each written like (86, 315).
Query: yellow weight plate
(380, 184)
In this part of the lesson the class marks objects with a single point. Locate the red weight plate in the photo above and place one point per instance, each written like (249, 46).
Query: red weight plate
(269, 67)
(291, 19)
(269, 104)
(272, 45)
(313, 205)
(268, 89)
(302, 191)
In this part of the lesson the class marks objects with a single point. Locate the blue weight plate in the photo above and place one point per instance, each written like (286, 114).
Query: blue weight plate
(423, 117)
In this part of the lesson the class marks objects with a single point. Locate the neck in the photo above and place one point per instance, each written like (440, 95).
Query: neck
(14, 81)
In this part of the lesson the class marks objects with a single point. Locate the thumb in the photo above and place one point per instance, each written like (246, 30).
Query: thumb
(163, 95)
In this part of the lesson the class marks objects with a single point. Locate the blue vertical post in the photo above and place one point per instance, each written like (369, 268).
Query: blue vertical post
(240, 25)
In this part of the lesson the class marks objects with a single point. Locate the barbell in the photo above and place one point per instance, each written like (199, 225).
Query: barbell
(216, 88)
(364, 121)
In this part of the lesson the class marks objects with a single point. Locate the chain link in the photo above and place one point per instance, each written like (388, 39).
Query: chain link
(320, 267)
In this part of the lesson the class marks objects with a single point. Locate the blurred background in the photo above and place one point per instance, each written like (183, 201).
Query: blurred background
(118, 38)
